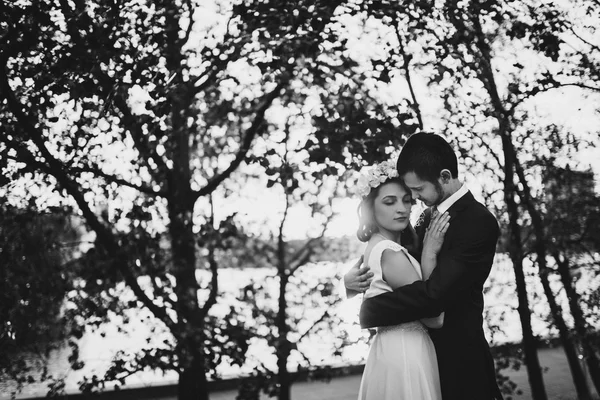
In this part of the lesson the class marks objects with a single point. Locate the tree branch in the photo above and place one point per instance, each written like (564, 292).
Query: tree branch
(490, 150)
(486, 74)
(249, 136)
(405, 65)
(302, 256)
(214, 269)
(56, 169)
(206, 78)
(162, 293)
(188, 31)
(556, 85)
(131, 123)
(593, 46)
(308, 362)
(281, 244)
(309, 330)
(120, 181)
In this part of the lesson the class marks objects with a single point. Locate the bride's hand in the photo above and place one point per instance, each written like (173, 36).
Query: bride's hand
(434, 235)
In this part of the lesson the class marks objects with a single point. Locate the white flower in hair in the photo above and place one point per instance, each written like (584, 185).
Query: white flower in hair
(375, 176)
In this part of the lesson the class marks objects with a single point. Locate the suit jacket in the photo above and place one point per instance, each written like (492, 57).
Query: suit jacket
(455, 286)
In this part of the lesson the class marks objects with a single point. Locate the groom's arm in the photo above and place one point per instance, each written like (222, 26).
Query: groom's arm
(466, 262)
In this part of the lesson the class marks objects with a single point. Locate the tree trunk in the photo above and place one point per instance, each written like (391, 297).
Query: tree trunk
(193, 384)
(283, 346)
(487, 77)
(190, 324)
(581, 386)
(589, 353)
(183, 247)
(530, 344)
(541, 250)
(192, 379)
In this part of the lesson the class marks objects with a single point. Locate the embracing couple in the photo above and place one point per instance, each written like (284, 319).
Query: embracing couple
(423, 287)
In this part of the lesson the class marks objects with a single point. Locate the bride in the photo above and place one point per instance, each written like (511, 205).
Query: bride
(402, 363)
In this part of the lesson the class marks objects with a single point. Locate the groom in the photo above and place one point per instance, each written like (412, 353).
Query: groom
(429, 168)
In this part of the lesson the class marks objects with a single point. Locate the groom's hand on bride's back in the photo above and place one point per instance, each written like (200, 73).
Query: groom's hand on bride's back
(358, 279)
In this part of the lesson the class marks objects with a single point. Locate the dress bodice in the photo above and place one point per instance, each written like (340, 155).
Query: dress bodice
(378, 284)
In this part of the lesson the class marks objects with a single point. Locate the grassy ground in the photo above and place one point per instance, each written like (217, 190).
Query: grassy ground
(557, 379)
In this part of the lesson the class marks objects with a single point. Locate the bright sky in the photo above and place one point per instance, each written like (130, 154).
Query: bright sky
(564, 107)
(568, 109)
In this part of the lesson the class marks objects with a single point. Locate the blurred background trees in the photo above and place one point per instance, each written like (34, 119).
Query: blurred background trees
(154, 125)
(135, 115)
(35, 246)
(489, 61)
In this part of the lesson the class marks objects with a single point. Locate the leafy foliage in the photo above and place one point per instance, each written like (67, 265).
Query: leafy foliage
(141, 131)
(33, 286)
(145, 118)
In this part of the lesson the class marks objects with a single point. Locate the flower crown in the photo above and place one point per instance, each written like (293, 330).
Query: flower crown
(375, 177)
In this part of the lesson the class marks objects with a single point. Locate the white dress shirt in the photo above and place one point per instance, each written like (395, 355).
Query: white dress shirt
(446, 204)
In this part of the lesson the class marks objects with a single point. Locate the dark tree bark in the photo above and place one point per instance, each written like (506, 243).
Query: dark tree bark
(193, 380)
(530, 343)
(192, 383)
(541, 250)
(504, 116)
(284, 377)
(581, 327)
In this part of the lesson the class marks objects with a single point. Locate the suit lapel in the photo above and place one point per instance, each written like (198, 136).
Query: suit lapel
(455, 209)
(461, 204)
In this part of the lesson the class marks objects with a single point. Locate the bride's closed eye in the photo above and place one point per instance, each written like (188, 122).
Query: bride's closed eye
(390, 200)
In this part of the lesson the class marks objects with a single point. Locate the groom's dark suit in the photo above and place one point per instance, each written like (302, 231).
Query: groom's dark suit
(455, 287)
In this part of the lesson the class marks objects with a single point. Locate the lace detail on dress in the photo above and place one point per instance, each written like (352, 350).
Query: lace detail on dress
(409, 326)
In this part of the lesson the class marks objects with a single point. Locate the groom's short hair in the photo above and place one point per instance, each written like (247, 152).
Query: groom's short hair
(427, 154)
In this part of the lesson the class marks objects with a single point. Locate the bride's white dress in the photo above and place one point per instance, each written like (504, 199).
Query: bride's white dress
(402, 364)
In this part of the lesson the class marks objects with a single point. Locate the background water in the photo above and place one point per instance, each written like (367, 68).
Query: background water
(97, 348)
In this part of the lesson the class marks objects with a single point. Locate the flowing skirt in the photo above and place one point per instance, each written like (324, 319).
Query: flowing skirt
(402, 365)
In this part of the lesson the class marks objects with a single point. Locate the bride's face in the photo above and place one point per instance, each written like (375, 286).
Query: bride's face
(391, 208)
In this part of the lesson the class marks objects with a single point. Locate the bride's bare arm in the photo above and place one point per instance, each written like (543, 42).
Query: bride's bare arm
(397, 269)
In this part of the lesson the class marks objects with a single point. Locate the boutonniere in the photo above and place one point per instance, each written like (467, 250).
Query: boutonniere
(421, 219)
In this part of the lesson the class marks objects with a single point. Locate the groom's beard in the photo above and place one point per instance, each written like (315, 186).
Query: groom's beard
(440, 194)
(439, 197)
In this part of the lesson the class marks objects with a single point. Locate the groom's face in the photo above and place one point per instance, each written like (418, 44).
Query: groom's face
(430, 193)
